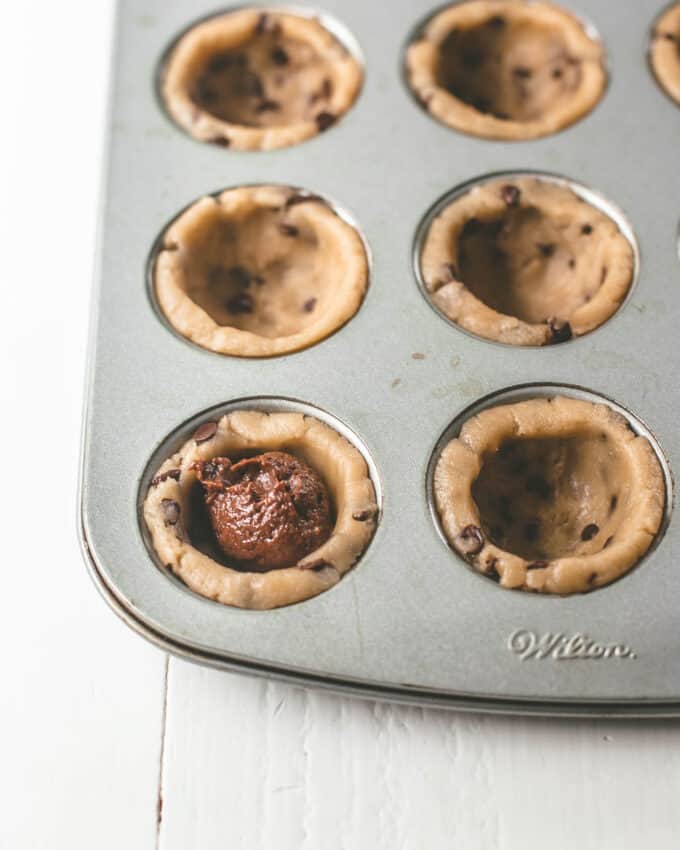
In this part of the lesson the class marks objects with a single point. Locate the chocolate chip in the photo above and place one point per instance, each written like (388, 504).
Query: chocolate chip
(491, 571)
(613, 502)
(547, 249)
(239, 276)
(537, 565)
(302, 198)
(522, 72)
(262, 24)
(240, 304)
(288, 229)
(590, 531)
(497, 22)
(572, 263)
(560, 331)
(470, 541)
(220, 62)
(316, 566)
(324, 120)
(205, 432)
(309, 305)
(556, 73)
(531, 531)
(171, 511)
(510, 195)
(163, 476)
(364, 516)
(538, 486)
(222, 141)
(279, 56)
(587, 229)
(268, 106)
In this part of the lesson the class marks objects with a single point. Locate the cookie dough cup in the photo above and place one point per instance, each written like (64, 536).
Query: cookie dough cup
(506, 69)
(259, 271)
(525, 261)
(259, 80)
(664, 54)
(551, 495)
(169, 505)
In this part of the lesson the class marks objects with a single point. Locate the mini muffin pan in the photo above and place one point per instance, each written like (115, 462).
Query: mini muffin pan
(411, 622)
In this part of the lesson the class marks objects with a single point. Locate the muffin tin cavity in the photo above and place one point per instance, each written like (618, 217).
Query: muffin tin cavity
(548, 488)
(506, 70)
(259, 79)
(664, 51)
(260, 503)
(259, 271)
(525, 259)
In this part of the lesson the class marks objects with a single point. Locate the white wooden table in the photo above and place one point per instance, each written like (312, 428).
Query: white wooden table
(97, 728)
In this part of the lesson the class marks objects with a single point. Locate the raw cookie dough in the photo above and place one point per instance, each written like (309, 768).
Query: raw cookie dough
(175, 514)
(552, 494)
(664, 52)
(506, 69)
(259, 80)
(260, 271)
(525, 261)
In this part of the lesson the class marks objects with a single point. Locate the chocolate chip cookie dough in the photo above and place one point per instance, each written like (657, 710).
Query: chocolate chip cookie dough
(259, 271)
(259, 80)
(554, 495)
(525, 261)
(664, 51)
(265, 530)
(506, 69)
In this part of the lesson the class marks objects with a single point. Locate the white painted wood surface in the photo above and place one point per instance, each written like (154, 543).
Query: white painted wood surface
(91, 734)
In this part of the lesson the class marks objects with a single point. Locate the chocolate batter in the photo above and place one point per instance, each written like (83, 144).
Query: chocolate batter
(525, 261)
(268, 511)
(553, 495)
(510, 69)
(260, 271)
(256, 80)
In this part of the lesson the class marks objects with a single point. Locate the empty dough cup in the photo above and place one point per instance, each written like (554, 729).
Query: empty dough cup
(550, 494)
(259, 79)
(506, 69)
(664, 52)
(524, 260)
(259, 271)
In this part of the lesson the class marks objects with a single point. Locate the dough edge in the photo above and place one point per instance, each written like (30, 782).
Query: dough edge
(664, 55)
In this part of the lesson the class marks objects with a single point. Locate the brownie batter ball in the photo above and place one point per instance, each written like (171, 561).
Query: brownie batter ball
(268, 511)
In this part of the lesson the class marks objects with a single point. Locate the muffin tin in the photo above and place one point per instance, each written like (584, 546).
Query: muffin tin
(411, 621)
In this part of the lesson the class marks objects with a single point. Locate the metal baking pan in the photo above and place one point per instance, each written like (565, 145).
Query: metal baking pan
(411, 621)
